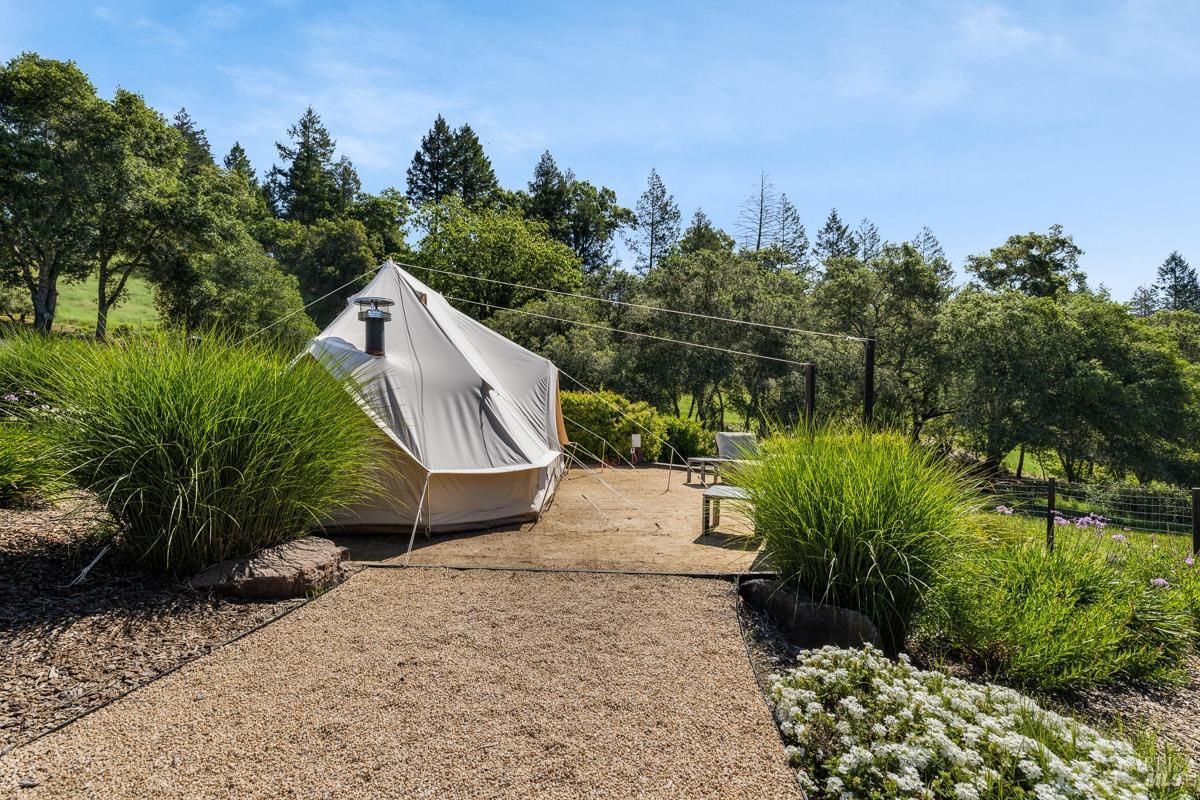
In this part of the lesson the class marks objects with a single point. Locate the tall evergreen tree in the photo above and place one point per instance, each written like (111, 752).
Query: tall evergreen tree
(237, 161)
(789, 235)
(757, 215)
(310, 186)
(1144, 301)
(930, 249)
(472, 175)
(656, 225)
(431, 174)
(701, 234)
(199, 153)
(549, 197)
(1177, 286)
(928, 245)
(867, 240)
(834, 240)
(576, 213)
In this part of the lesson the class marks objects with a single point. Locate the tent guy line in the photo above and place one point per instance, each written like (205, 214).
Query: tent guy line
(661, 309)
(630, 333)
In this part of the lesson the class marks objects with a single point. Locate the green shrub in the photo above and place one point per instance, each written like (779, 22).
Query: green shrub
(861, 725)
(601, 423)
(863, 521)
(204, 452)
(29, 472)
(687, 438)
(1066, 620)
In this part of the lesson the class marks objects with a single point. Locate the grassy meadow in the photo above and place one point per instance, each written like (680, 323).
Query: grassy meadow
(77, 306)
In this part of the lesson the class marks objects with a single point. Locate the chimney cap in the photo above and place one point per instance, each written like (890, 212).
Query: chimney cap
(374, 302)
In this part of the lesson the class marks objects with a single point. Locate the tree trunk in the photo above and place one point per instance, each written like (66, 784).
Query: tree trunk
(102, 307)
(44, 300)
(1021, 462)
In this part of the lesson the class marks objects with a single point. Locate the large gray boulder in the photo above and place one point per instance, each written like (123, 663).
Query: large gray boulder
(807, 624)
(293, 569)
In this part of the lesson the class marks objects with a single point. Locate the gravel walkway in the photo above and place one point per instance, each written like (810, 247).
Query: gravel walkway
(436, 683)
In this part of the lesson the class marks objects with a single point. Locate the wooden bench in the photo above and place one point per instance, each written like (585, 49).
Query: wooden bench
(710, 512)
(701, 464)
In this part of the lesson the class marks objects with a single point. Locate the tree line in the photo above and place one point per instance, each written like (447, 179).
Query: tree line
(1024, 354)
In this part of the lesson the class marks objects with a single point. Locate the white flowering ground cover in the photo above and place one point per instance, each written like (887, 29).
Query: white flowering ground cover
(859, 725)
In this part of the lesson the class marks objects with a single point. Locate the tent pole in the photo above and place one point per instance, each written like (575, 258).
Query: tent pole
(417, 521)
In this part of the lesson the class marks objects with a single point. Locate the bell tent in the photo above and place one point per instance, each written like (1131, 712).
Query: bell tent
(473, 418)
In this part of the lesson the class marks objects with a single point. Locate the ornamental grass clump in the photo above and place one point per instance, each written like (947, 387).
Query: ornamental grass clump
(863, 521)
(29, 471)
(859, 725)
(1090, 613)
(202, 452)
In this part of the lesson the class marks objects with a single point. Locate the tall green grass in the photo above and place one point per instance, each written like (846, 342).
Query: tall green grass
(1061, 621)
(29, 471)
(864, 521)
(200, 452)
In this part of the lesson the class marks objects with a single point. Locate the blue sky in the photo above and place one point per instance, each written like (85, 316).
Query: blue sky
(978, 119)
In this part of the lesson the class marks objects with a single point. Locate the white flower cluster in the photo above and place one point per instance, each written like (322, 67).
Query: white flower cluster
(863, 726)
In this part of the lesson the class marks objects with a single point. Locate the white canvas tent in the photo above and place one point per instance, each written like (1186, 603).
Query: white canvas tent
(473, 417)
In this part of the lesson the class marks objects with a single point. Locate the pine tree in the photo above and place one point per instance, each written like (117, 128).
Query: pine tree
(199, 153)
(237, 161)
(431, 175)
(549, 197)
(867, 240)
(789, 235)
(472, 175)
(930, 249)
(701, 234)
(1177, 286)
(927, 244)
(757, 215)
(656, 225)
(311, 186)
(834, 240)
(1144, 301)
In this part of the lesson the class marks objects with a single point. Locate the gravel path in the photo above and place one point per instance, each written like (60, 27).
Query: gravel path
(437, 683)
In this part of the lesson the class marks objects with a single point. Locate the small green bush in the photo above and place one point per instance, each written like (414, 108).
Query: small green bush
(29, 472)
(862, 521)
(687, 438)
(201, 452)
(601, 423)
(1061, 621)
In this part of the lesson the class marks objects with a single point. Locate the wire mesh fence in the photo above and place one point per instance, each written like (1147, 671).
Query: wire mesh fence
(1133, 507)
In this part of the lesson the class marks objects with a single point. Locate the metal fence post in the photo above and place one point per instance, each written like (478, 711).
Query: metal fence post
(1195, 520)
(1050, 492)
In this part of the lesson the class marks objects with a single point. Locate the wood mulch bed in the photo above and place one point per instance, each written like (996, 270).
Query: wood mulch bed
(65, 650)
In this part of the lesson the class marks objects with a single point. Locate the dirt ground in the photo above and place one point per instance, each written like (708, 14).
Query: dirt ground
(439, 683)
(617, 518)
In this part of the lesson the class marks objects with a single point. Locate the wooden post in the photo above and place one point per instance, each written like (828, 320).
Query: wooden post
(1050, 492)
(869, 383)
(1195, 520)
(810, 394)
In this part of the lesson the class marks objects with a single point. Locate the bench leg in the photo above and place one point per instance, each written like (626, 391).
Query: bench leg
(704, 517)
(716, 512)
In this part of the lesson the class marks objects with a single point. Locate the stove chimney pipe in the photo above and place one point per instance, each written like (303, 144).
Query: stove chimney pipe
(374, 312)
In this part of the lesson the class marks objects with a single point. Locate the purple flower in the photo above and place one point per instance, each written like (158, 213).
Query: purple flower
(1116, 537)
(1190, 561)
(11, 398)
(29, 393)
(1004, 510)
(1161, 583)
(1061, 520)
